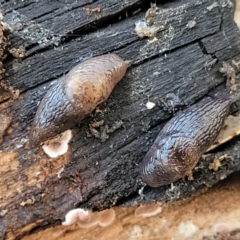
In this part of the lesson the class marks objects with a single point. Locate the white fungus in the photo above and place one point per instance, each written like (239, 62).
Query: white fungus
(77, 214)
(87, 219)
(186, 230)
(150, 105)
(191, 24)
(57, 146)
(148, 210)
(143, 30)
(93, 221)
(106, 217)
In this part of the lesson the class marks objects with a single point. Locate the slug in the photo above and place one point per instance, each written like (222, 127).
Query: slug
(183, 140)
(76, 95)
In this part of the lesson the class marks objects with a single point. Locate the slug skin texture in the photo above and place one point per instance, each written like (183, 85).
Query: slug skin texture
(183, 140)
(75, 96)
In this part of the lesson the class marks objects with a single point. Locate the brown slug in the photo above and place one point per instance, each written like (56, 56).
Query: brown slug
(183, 140)
(76, 95)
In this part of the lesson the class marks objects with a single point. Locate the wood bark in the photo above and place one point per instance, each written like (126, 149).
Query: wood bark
(36, 191)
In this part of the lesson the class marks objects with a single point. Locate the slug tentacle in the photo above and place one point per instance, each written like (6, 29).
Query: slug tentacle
(183, 140)
(76, 95)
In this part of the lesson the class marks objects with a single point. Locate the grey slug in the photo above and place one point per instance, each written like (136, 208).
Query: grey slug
(75, 96)
(183, 140)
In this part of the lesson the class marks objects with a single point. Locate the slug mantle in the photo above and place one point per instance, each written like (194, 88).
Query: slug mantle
(75, 96)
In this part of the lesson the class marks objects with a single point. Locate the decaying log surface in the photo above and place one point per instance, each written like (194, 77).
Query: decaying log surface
(36, 191)
(195, 217)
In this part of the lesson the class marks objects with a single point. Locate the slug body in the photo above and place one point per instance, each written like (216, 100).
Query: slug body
(183, 140)
(76, 95)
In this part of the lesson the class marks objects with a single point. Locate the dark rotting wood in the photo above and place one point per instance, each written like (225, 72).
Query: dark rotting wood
(36, 191)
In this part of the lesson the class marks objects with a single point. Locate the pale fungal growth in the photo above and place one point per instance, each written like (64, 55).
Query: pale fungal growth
(221, 227)
(91, 222)
(87, 219)
(191, 24)
(148, 210)
(150, 105)
(57, 146)
(143, 30)
(106, 217)
(186, 230)
(145, 27)
(75, 215)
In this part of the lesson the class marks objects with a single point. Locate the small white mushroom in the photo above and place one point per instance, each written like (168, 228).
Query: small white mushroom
(57, 146)
(74, 215)
(106, 217)
(87, 219)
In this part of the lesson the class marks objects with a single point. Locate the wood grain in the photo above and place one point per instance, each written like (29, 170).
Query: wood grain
(37, 191)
